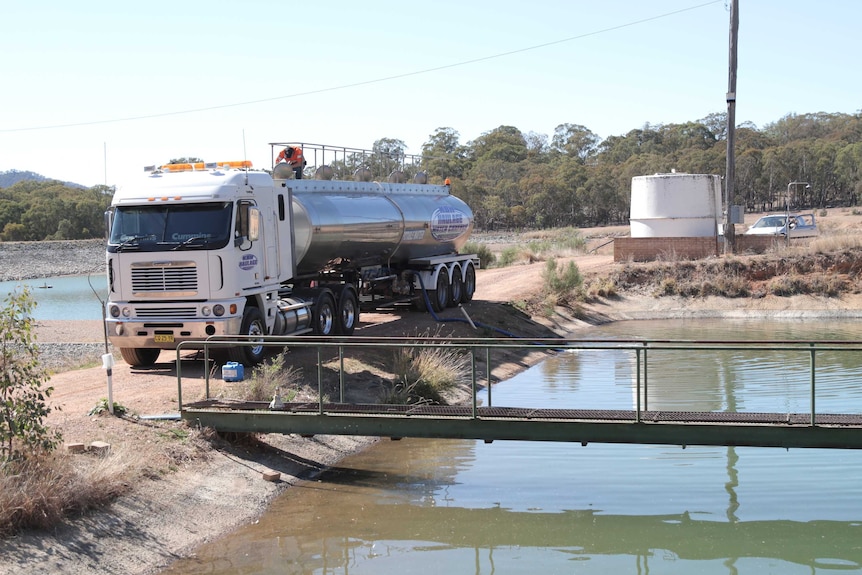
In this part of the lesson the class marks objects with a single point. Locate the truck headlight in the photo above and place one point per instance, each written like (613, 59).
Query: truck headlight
(114, 310)
(218, 310)
(127, 312)
(205, 311)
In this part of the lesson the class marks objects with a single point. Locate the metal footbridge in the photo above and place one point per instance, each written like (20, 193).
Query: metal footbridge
(487, 422)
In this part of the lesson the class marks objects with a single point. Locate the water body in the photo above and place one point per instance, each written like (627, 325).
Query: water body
(66, 297)
(450, 506)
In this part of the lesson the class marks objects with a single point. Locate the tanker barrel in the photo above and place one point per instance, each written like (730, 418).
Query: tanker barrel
(397, 177)
(324, 172)
(420, 178)
(282, 172)
(362, 175)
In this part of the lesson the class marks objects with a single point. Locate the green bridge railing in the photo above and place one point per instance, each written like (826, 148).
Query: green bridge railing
(644, 352)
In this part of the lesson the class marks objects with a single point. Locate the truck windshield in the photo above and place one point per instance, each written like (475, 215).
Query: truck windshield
(171, 227)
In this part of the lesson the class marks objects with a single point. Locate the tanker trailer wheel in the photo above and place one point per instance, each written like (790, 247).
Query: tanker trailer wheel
(253, 325)
(348, 311)
(140, 356)
(324, 314)
(456, 292)
(469, 284)
(440, 296)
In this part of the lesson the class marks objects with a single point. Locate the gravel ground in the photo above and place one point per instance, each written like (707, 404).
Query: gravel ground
(31, 260)
(57, 357)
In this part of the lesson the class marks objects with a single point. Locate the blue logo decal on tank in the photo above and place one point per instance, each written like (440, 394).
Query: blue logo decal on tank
(447, 223)
(248, 261)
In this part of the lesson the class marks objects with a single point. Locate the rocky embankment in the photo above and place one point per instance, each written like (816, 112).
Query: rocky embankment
(34, 260)
(31, 260)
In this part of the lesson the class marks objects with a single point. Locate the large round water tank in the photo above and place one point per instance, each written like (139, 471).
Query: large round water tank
(675, 206)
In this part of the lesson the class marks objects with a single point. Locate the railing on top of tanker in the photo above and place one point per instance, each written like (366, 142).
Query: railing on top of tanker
(348, 163)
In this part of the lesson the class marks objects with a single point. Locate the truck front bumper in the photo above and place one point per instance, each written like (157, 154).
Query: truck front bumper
(166, 335)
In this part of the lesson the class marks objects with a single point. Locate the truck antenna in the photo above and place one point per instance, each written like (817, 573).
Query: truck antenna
(245, 156)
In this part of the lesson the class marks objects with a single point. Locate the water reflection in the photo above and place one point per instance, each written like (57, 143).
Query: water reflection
(430, 506)
(305, 534)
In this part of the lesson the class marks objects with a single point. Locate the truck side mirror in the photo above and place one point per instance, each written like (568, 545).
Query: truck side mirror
(109, 220)
(253, 224)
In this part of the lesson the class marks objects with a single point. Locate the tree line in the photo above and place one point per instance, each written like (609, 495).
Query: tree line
(574, 178)
(50, 210)
(518, 180)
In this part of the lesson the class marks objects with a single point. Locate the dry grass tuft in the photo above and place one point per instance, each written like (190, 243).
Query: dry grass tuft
(261, 383)
(426, 374)
(829, 268)
(41, 491)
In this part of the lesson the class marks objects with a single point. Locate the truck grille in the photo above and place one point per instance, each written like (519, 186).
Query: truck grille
(178, 278)
(166, 313)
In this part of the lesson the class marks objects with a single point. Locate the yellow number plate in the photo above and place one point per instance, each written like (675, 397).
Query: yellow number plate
(162, 338)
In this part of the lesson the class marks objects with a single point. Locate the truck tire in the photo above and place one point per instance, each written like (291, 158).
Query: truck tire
(469, 284)
(140, 356)
(440, 295)
(456, 290)
(348, 311)
(254, 325)
(325, 314)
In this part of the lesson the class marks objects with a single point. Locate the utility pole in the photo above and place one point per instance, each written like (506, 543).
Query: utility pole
(730, 174)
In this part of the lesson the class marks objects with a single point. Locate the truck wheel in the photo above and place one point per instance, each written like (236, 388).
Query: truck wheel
(140, 356)
(348, 311)
(469, 284)
(253, 325)
(324, 314)
(456, 291)
(440, 296)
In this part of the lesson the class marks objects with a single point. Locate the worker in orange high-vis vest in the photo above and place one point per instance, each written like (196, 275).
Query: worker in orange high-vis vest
(292, 155)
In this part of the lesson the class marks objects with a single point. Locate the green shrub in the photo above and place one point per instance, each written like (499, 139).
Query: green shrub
(509, 256)
(561, 284)
(23, 406)
(486, 256)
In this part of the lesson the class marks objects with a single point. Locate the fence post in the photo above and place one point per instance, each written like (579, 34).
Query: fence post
(638, 384)
(488, 372)
(319, 383)
(811, 375)
(646, 379)
(341, 373)
(473, 378)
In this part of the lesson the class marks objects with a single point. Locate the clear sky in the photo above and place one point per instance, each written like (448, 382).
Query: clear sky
(92, 91)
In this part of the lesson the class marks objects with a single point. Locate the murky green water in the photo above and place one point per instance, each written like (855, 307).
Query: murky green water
(438, 506)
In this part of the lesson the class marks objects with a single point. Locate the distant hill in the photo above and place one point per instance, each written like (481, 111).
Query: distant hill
(12, 177)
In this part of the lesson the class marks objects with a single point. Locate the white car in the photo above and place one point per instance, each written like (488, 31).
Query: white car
(788, 225)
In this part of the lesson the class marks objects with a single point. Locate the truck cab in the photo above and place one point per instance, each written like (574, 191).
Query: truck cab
(185, 253)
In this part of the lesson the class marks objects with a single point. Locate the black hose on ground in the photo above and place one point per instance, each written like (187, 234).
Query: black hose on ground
(430, 309)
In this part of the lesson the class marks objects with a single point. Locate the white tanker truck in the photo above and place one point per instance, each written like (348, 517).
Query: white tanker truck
(198, 250)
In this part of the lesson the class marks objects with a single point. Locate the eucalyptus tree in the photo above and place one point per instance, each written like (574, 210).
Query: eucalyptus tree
(576, 141)
(443, 156)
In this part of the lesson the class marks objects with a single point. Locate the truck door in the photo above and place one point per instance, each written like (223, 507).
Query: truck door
(269, 236)
(248, 241)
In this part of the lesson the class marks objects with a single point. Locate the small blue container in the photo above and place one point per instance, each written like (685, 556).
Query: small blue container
(232, 371)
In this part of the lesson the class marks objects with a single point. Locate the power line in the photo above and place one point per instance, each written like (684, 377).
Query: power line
(366, 82)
